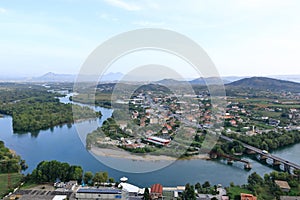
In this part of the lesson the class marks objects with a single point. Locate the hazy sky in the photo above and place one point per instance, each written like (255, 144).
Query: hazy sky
(245, 37)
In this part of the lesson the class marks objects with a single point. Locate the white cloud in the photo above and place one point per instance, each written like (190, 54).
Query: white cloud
(147, 23)
(124, 5)
(2, 10)
(106, 16)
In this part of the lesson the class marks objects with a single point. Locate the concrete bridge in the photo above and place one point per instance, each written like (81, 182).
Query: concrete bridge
(263, 156)
(247, 164)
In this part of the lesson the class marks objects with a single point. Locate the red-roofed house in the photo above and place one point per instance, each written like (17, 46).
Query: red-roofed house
(156, 191)
(247, 197)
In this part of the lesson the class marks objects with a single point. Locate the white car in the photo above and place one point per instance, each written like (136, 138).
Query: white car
(265, 152)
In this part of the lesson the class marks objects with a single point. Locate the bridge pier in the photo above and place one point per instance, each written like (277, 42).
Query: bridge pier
(276, 162)
(262, 158)
(248, 166)
(229, 162)
(287, 168)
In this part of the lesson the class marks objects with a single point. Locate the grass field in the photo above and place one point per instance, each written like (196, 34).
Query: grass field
(15, 179)
(235, 191)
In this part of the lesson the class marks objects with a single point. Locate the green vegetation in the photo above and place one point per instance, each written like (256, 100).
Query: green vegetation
(205, 188)
(112, 130)
(146, 194)
(234, 191)
(9, 161)
(96, 179)
(34, 109)
(50, 171)
(265, 188)
(109, 129)
(266, 84)
(232, 148)
(10, 167)
(9, 182)
(271, 140)
(189, 192)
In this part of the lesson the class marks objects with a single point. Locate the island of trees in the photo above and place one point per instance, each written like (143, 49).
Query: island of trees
(34, 108)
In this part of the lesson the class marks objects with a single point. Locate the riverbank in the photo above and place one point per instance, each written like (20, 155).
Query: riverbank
(120, 153)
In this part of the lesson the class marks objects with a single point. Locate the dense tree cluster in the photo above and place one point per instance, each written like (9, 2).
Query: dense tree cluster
(96, 179)
(109, 128)
(33, 113)
(232, 148)
(205, 188)
(9, 161)
(271, 140)
(50, 171)
(112, 129)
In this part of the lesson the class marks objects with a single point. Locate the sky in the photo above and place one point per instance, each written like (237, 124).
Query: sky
(245, 37)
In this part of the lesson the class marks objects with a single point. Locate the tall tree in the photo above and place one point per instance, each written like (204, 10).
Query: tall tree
(146, 194)
(189, 192)
(87, 177)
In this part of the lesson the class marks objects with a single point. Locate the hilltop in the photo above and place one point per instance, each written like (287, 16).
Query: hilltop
(264, 83)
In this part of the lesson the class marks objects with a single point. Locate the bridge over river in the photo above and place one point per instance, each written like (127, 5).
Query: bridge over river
(263, 156)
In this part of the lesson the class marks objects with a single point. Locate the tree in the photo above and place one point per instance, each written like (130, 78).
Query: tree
(75, 173)
(255, 180)
(49, 171)
(198, 187)
(206, 184)
(87, 177)
(197, 138)
(189, 192)
(146, 194)
(97, 178)
(23, 164)
(111, 180)
(104, 177)
(297, 173)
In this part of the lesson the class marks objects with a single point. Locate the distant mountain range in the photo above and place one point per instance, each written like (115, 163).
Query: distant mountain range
(198, 81)
(52, 77)
(259, 83)
(264, 83)
(276, 83)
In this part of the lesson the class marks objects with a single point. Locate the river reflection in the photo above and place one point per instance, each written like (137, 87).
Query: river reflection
(63, 143)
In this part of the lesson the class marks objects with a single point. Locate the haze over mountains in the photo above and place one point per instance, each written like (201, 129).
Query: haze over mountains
(111, 77)
(276, 83)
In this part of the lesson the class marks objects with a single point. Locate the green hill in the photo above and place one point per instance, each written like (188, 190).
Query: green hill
(263, 83)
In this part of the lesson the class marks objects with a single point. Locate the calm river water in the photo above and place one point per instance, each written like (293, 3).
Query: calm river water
(62, 143)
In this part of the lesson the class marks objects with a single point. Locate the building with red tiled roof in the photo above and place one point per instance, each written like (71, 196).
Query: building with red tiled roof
(247, 197)
(156, 191)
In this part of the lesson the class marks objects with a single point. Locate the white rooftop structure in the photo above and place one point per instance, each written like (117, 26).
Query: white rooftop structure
(131, 188)
(59, 197)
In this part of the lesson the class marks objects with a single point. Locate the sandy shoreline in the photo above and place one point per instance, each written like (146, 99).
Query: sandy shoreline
(120, 153)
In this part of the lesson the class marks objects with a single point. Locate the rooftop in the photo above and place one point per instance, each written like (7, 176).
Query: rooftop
(282, 184)
(99, 191)
(157, 188)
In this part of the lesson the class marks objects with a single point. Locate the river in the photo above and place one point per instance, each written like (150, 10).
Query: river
(62, 143)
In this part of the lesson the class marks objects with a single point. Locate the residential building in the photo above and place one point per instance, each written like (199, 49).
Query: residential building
(284, 186)
(156, 191)
(247, 197)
